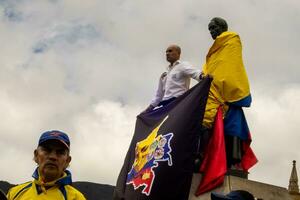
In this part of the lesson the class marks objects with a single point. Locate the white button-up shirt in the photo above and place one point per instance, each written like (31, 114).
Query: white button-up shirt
(175, 81)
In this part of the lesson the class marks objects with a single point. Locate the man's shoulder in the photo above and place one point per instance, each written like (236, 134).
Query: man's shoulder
(75, 192)
(21, 185)
(183, 63)
(18, 188)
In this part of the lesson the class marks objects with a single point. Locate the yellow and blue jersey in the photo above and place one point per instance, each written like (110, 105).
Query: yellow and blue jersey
(58, 189)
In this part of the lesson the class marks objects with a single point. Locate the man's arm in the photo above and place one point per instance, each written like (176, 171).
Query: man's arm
(158, 95)
(192, 72)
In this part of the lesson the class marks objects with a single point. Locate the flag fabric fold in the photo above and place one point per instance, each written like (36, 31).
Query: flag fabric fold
(214, 165)
(249, 159)
(160, 161)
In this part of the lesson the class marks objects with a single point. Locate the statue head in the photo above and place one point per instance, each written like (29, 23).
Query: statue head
(216, 26)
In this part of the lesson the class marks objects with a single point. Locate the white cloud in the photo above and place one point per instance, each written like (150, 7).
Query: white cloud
(103, 136)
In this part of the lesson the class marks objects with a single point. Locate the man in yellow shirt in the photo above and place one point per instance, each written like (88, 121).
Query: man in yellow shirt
(51, 179)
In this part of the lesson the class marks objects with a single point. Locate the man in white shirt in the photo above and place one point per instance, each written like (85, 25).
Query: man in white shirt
(175, 81)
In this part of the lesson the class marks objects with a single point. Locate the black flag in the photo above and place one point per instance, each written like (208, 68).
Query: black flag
(160, 160)
(2, 195)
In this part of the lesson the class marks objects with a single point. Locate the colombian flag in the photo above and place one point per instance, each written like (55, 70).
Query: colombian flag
(229, 92)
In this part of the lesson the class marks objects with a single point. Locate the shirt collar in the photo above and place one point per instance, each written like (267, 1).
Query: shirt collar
(174, 64)
(66, 179)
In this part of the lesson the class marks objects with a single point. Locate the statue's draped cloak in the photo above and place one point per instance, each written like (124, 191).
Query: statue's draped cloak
(229, 92)
(230, 83)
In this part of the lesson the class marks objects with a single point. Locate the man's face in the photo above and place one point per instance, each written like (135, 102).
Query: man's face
(53, 158)
(214, 29)
(172, 54)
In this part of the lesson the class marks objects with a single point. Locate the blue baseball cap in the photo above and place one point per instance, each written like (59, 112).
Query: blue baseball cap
(233, 195)
(55, 135)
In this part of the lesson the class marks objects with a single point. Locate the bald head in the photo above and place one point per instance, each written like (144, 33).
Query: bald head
(216, 26)
(173, 53)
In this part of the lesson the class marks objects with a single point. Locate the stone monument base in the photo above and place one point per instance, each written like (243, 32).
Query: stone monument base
(261, 191)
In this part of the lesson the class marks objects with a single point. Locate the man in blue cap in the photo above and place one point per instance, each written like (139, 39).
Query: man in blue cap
(51, 179)
(233, 195)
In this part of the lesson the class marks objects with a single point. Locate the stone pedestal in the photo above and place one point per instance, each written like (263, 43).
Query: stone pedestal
(259, 190)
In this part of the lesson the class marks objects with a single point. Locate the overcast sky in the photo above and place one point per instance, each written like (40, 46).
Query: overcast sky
(89, 67)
